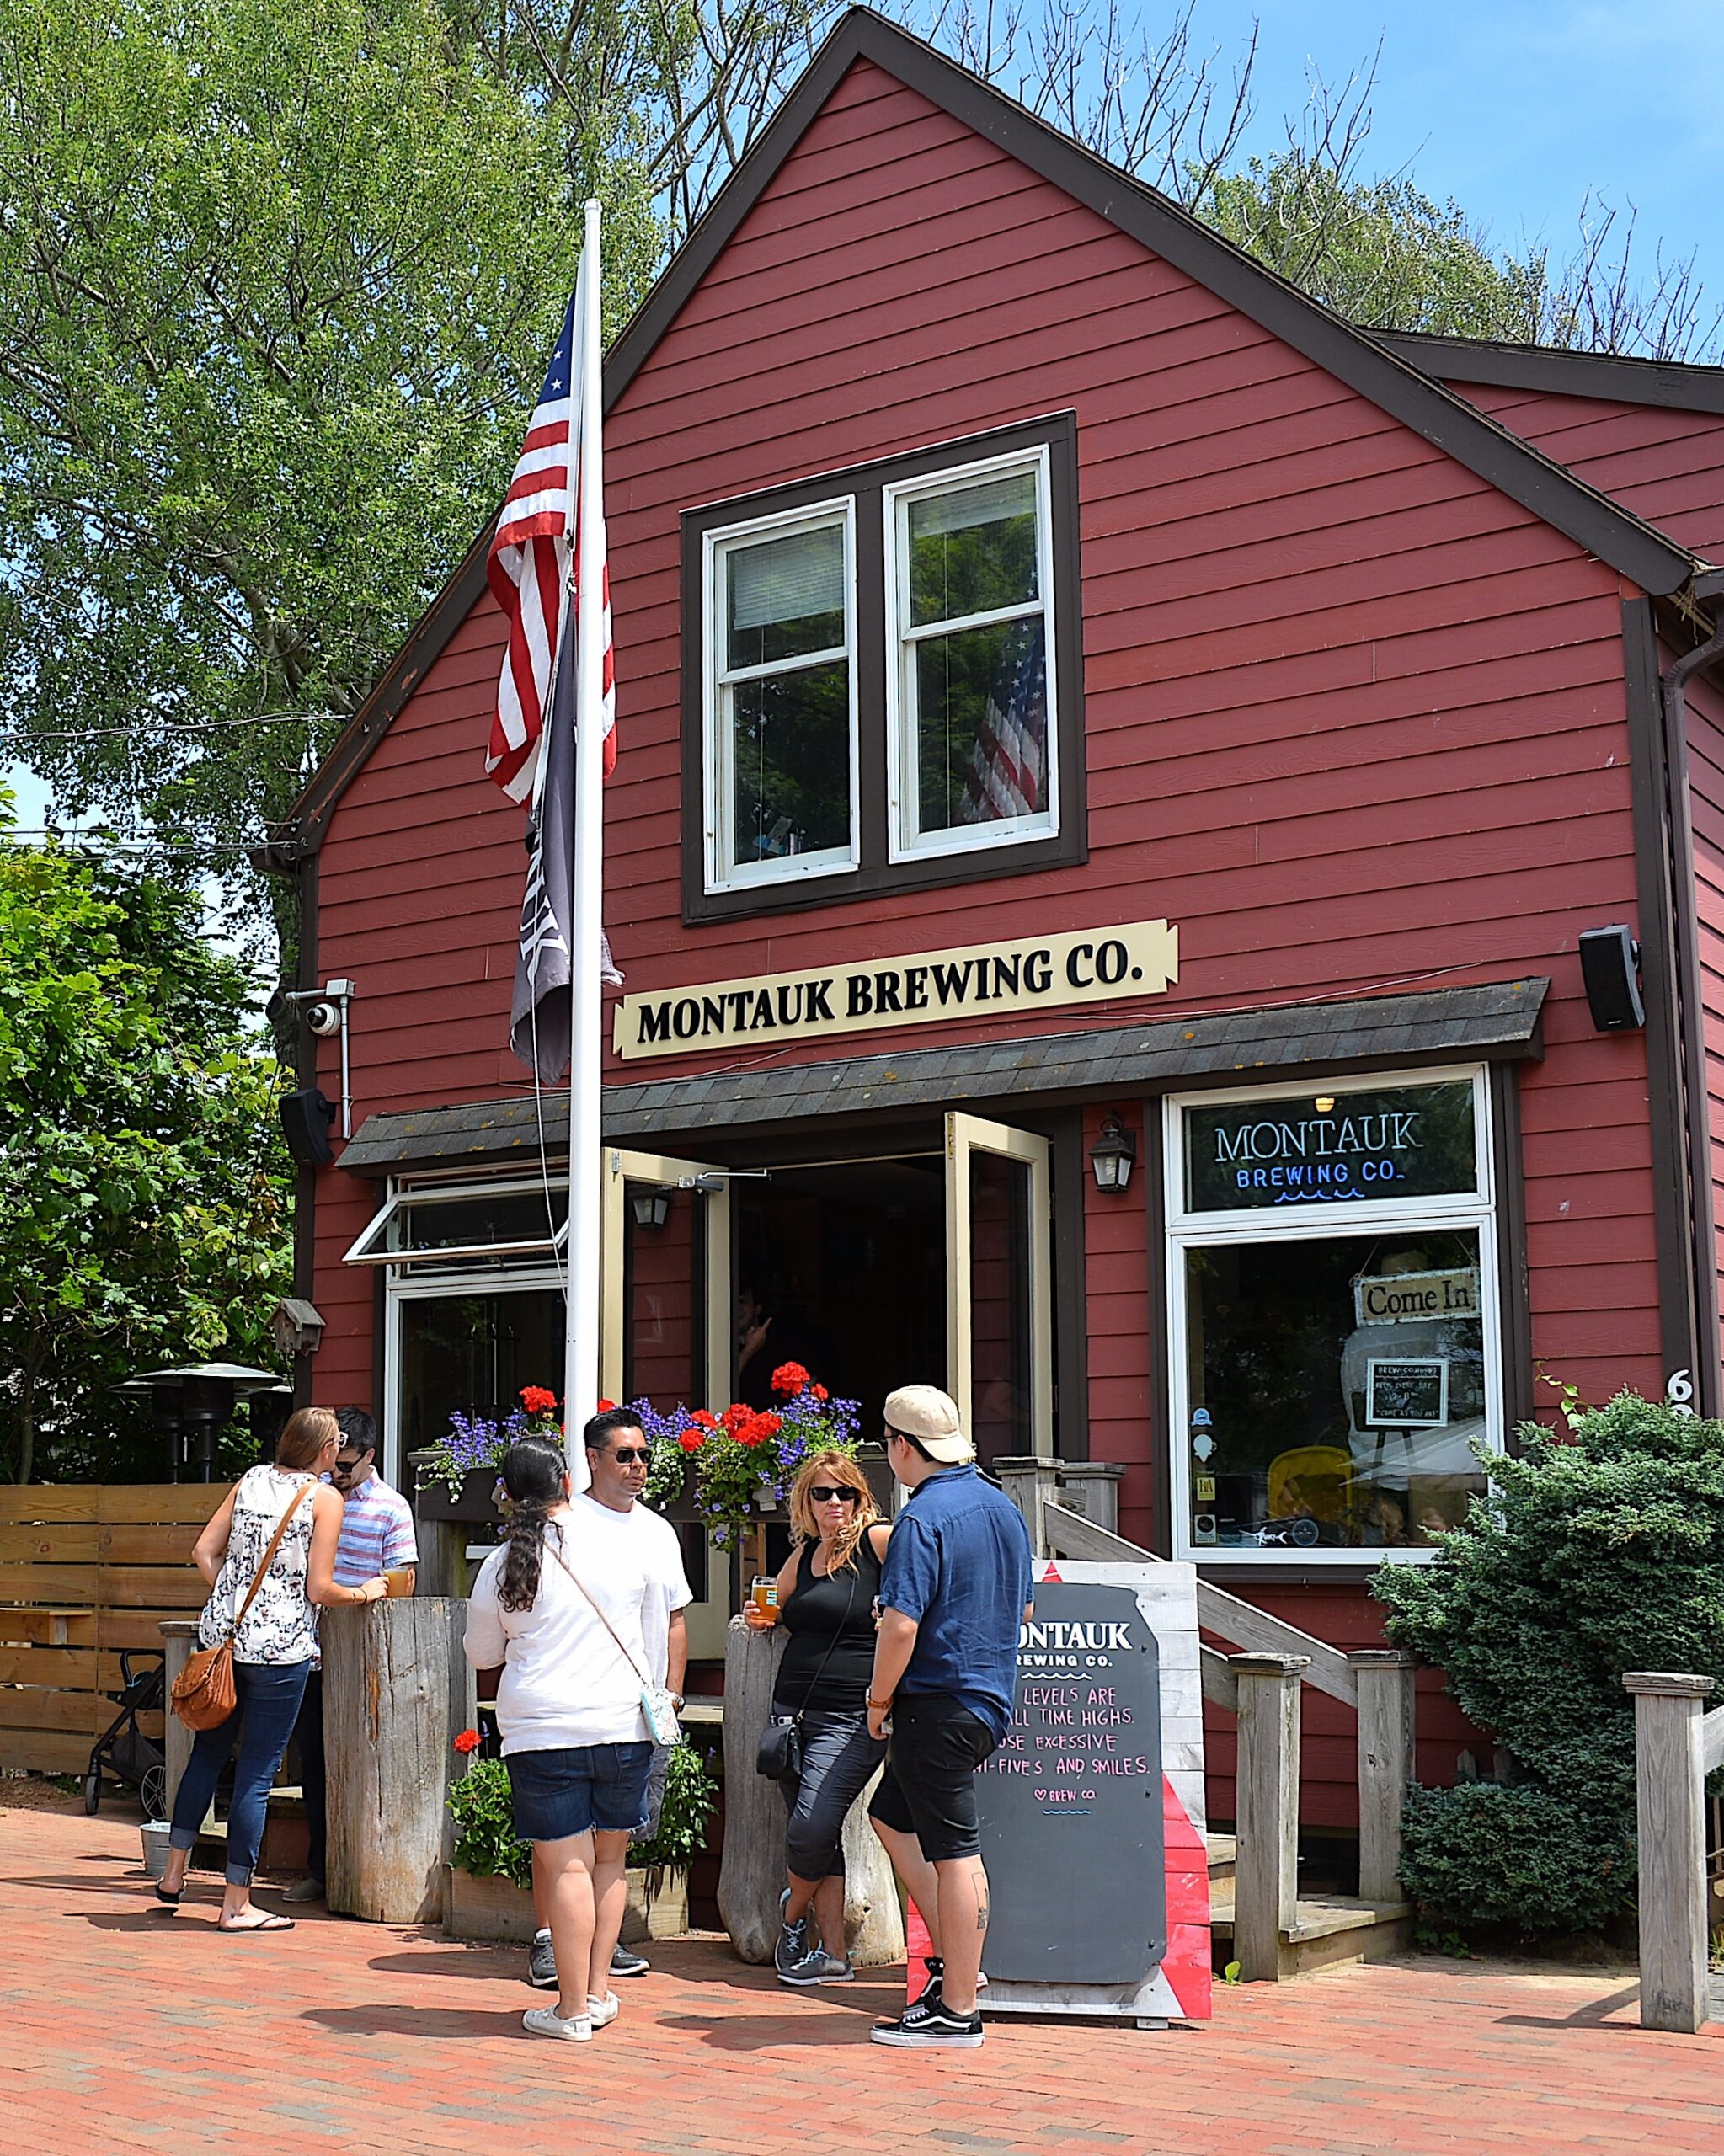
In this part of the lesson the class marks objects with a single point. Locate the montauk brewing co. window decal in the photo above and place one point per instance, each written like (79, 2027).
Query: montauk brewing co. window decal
(1315, 1149)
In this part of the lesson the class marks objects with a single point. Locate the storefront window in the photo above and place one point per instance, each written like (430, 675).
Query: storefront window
(1333, 1338)
(472, 1351)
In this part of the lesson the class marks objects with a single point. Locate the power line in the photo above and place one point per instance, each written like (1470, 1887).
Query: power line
(186, 726)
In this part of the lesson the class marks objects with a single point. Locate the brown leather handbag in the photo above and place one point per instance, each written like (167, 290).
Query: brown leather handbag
(204, 1692)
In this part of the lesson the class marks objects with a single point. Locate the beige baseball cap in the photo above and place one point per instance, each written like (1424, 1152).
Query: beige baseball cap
(924, 1412)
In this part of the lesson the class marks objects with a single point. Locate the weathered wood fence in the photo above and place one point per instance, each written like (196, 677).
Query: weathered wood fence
(1677, 1745)
(85, 1569)
(1261, 1685)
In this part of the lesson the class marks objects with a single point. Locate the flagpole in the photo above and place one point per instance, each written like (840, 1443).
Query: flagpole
(580, 1386)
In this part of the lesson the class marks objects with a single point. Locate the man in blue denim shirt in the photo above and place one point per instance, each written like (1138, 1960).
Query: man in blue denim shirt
(956, 1587)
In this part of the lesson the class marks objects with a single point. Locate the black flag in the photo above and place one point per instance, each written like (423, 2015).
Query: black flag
(539, 1018)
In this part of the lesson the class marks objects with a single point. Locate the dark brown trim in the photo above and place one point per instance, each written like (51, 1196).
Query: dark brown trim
(305, 1177)
(1541, 368)
(1396, 385)
(1160, 1358)
(1068, 1244)
(1513, 1289)
(1656, 879)
(865, 485)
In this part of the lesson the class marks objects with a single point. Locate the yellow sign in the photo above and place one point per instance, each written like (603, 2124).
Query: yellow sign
(1046, 973)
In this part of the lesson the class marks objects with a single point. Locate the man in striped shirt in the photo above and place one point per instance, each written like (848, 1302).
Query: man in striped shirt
(377, 1536)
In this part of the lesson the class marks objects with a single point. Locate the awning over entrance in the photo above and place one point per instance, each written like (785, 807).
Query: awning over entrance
(1497, 1021)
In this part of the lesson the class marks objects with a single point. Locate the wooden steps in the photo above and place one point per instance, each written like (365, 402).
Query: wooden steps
(1327, 1928)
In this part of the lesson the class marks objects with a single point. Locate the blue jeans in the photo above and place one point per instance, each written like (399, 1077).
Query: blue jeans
(270, 1694)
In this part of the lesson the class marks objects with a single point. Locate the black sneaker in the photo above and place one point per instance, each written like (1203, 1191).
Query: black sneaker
(625, 1964)
(936, 1967)
(541, 1965)
(931, 2026)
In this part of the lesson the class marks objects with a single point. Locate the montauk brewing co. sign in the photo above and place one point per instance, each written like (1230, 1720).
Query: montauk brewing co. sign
(1030, 973)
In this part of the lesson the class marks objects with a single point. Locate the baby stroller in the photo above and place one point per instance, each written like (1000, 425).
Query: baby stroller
(123, 1751)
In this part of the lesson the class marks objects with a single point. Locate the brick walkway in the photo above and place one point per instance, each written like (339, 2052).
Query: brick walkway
(127, 2029)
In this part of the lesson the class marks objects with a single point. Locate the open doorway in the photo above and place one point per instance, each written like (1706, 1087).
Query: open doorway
(846, 1265)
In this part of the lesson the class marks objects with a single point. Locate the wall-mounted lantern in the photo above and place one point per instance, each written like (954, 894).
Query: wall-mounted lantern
(1111, 1155)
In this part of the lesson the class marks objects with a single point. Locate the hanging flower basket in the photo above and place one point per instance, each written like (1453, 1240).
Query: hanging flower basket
(737, 1467)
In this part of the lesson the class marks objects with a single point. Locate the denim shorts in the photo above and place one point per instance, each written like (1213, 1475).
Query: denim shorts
(579, 1788)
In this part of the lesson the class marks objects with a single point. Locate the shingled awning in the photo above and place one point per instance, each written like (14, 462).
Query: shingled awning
(1494, 1021)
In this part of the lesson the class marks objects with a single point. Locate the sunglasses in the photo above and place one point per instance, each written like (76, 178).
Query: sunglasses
(626, 1455)
(823, 1493)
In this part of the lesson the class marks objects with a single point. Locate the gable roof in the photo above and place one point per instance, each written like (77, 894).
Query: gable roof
(1394, 383)
(1677, 384)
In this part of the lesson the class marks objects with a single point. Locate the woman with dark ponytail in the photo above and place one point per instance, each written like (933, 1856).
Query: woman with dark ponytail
(574, 1608)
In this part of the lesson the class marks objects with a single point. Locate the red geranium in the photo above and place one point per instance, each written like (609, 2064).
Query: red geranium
(789, 1377)
(537, 1401)
(692, 1440)
(735, 1415)
(705, 1416)
(604, 1407)
(468, 1741)
(821, 1393)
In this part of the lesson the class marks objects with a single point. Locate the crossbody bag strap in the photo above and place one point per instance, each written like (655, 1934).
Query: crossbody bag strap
(557, 1552)
(251, 1593)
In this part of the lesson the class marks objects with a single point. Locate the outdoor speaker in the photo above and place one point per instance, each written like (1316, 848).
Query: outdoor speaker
(306, 1118)
(1609, 959)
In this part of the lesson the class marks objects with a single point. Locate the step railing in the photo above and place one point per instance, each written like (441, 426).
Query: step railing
(1261, 1685)
(1677, 1744)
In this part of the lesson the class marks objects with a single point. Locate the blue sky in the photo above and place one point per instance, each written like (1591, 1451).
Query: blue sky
(1518, 108)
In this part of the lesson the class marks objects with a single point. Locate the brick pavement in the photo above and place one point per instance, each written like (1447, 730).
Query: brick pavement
(126, 2029)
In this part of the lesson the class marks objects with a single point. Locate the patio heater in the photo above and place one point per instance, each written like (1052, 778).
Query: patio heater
(190, 1405)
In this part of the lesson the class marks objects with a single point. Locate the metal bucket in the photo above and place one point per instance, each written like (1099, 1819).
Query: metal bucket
(156, 1834)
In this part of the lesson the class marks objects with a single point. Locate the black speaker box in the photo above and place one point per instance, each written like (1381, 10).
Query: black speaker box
(306, 1118)
(1609, 960)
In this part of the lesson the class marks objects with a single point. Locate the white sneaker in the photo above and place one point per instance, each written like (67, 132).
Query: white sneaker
(601, 2012)
(544, 2021)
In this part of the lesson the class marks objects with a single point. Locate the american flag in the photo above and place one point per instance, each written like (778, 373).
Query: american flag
(530, 571)
(1008, 768)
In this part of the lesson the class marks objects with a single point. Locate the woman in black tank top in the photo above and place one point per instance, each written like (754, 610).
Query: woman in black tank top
(826, 1605)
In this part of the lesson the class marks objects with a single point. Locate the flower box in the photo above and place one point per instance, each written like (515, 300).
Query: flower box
(497, 1908)
(475, 1502)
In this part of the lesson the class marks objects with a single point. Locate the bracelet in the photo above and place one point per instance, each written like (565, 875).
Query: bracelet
(881, 1706)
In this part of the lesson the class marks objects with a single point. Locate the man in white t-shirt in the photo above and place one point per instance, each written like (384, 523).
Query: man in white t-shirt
(609, 1616)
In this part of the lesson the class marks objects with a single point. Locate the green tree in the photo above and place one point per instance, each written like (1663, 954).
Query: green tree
(143, 1188)
(1601, 1550)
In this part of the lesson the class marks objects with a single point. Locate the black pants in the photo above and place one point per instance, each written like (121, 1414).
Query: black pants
(838, 1757)
(308, 1736)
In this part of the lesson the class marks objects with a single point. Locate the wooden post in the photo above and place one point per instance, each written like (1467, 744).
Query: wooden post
(1265, 1868)
(1091, 1487)
(177, 1634)
(751, 1875)
(1032, 1485)
(1670, 1815)
(442, 1566)
(397, 1691)
(1386, 1679)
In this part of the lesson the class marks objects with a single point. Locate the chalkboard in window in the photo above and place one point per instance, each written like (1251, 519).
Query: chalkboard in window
(1317, 1149)
(1409, 1393)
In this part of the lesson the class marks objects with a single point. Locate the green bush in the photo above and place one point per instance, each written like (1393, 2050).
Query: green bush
(487, 1846)
(1600, 1549)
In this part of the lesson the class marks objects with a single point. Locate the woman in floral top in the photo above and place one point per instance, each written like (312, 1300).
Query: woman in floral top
(272, 1648)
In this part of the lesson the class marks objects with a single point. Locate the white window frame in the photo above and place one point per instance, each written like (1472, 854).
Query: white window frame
(1474, 1211)
(371, 1245)
(902, 790)
(404, 1287)
(723, 872)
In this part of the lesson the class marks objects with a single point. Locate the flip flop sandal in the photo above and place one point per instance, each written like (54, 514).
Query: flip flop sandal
(272, 1923)
(167, 1901)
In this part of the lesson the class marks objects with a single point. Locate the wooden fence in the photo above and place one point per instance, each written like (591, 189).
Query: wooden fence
(85, 1569)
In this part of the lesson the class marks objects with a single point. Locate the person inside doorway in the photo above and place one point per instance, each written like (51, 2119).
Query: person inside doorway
(769, 1335)
(377, 1537)
(582, 1608)
(954, 1589)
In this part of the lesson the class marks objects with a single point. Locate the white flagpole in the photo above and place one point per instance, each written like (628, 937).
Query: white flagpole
(580, 1380)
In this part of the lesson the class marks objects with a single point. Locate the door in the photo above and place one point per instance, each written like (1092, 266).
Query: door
(999, 1286)
(665, 1280)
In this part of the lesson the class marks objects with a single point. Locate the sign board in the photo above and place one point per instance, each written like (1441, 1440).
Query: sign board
(1092, 1809)
(1032, 973)
(1382, 1141)
(1409, 1394)
(1414, 1298)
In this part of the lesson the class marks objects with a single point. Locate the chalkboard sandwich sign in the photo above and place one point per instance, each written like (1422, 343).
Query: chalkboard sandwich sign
(1093, 1818)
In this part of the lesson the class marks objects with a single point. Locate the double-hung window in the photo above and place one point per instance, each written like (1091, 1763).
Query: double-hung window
(883, 677)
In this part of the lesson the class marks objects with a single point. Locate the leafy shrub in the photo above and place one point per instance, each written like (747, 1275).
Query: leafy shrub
(487, 1846)
(1600, 1549)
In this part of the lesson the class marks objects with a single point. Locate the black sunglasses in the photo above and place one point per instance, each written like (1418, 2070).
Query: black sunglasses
(626, 1455)
(823, 1493)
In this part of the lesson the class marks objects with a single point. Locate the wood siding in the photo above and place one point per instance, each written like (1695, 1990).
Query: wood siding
(1355, 720)
(1706, 773)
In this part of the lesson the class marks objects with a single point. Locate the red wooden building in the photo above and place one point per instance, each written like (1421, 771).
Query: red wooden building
(1077, 696)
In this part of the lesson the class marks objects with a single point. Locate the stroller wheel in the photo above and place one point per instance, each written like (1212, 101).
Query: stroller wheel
(92, 1790)
(153, 1790)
